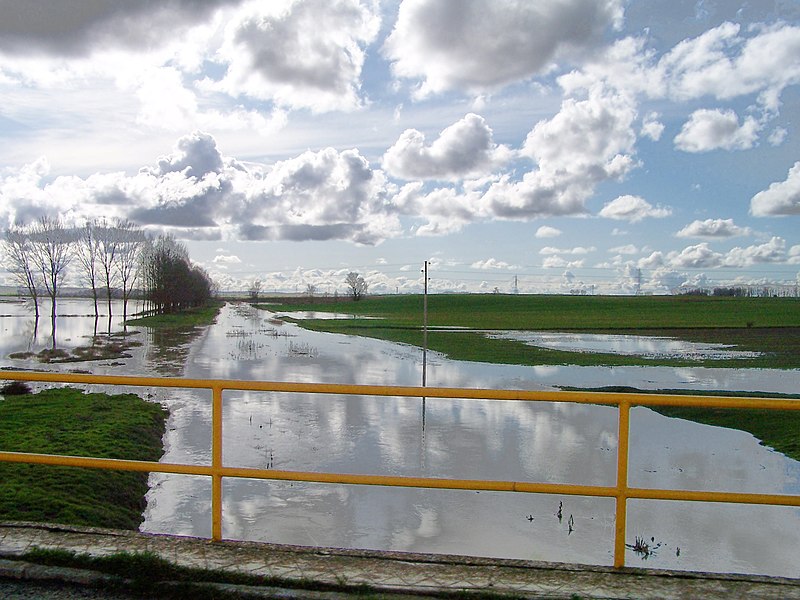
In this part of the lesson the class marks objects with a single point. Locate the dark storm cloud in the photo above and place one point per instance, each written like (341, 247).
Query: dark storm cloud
(183, 216)
(476, 45)
(75, 27)
(301, 233)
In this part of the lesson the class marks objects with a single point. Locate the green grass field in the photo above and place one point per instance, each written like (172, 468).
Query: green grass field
(767, 325)
(68, 421)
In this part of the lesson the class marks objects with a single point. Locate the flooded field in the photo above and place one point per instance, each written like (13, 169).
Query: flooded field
(547, 442)
(635, 345)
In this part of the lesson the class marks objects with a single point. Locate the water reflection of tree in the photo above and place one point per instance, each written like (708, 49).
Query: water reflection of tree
(168, 349)
(31, 332)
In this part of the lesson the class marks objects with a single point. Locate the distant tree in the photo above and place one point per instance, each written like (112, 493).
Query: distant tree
(730, 291)
(18, 250)
(255, 289)
(171, 282)
(311, 290)
(356, 284)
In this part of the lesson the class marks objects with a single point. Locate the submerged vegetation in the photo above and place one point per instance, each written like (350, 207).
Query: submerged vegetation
(114, 346)
(68, 421)
(770, 326)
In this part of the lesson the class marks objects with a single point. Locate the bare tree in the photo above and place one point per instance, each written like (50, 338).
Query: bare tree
(255, 289)
(50, 248)
(131, 242)
(17, 247)
(357, 284)
(87, 250)
(107, 249)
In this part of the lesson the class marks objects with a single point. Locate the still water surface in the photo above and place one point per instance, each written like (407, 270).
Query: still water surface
(547, 442)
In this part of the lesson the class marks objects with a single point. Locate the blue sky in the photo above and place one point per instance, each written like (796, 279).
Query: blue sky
(560, 145)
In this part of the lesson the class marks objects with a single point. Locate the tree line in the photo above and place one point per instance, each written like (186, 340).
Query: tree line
(110, 257)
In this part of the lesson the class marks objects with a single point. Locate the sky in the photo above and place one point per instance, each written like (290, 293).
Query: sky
(560, 146)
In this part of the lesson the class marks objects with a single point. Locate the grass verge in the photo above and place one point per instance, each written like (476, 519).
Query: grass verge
(68, 421)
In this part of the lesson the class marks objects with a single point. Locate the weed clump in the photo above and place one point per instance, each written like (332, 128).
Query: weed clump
(15, 388)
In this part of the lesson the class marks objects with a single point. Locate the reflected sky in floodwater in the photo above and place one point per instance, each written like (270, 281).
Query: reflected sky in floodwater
(515, 441)
(75, 323)
(634, 345)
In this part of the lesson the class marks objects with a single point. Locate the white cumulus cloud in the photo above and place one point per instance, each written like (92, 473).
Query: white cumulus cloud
(492, 264)
(700, 256)
(723, 63)
(626, 249)
(717, 129)
(305, 54)
(577, 250)
(633, 209)
(781, 198)
(652, 127)
(545, 231)
(461, 150)
(196, 192)
(713, 228)
(773, 251)
(587, 142)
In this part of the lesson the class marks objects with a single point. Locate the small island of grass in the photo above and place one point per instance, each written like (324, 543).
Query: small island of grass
(191, 317)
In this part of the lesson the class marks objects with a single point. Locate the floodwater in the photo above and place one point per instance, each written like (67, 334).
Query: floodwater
(635, 345)
(75, 324)
(547, 442)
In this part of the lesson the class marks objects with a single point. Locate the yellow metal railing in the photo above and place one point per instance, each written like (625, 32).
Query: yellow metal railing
(216, 470)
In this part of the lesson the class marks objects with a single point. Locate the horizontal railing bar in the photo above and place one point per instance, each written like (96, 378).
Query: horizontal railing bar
(606, 398)
(713, 401)
(422, 482)
(724, 497)
(117, 464)
(400, 481)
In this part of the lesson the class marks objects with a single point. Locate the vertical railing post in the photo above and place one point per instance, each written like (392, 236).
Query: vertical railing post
(216, 463)
(622, 484)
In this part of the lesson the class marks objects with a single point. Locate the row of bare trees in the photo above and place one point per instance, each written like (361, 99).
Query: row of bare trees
(112, 257)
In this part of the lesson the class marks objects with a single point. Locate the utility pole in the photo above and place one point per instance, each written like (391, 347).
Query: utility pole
(425, 325)
(424, 338)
